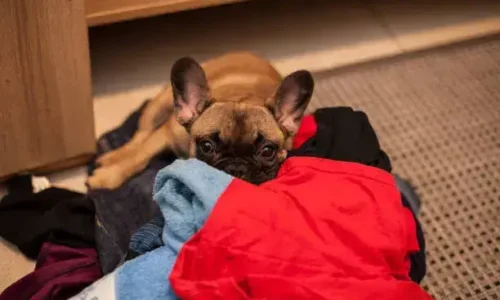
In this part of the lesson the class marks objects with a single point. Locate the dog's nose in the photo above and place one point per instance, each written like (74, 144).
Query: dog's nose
(237, 171)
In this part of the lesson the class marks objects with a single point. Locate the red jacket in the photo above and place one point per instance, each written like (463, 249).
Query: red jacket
(323, 229)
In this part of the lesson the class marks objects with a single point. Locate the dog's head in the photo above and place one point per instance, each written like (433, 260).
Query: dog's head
(246, 140)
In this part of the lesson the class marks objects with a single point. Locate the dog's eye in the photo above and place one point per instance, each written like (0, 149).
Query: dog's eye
(207, 147)
(267, 152)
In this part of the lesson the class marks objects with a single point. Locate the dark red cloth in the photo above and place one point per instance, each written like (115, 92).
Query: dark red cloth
(323, 229)
(61, 272)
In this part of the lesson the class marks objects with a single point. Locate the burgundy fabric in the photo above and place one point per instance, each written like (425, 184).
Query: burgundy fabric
(61, 272)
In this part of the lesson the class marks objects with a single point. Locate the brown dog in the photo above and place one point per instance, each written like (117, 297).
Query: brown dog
(234, 112)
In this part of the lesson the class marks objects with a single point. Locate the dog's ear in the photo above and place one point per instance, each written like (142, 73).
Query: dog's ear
(291, 99)
(190, 89)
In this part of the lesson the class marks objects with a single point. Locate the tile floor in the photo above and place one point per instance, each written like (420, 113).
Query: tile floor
(131, 61)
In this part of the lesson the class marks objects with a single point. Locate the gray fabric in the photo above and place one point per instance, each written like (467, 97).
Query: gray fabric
(408, 192)
(121, 212)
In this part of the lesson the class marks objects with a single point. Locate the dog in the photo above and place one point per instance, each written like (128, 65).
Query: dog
(234, 112)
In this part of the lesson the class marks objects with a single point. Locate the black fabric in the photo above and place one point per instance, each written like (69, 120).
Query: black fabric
(418, 267)
(60, 216)
(345, 135)
(131, 254)
(20, 184)
(121, 212)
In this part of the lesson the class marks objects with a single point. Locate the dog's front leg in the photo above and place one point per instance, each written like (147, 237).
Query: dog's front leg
(157, 112)
(170, 136)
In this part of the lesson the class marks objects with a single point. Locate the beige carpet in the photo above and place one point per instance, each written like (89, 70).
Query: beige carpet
(438, 116)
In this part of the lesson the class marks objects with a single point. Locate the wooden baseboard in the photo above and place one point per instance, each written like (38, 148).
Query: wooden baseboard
(54, 167)
(101, 12)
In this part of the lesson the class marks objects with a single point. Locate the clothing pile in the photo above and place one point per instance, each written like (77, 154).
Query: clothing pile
(76, 238)
(334, 224)
(55, 227)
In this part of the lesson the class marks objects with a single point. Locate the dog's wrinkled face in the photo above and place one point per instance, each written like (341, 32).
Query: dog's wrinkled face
(244, 140)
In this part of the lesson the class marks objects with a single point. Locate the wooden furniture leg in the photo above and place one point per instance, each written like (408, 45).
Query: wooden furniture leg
(46, 113)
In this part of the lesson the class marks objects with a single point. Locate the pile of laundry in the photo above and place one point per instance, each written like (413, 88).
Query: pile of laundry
(334, 224)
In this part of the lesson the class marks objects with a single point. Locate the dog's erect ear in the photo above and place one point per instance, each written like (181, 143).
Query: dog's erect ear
(291, 99)
(190, 88)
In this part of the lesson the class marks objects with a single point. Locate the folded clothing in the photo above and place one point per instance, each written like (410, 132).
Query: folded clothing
(60, 273)
(56, 215)
(56, 227)
(322, 229)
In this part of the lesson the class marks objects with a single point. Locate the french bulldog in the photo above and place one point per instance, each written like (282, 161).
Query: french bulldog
(234, 112)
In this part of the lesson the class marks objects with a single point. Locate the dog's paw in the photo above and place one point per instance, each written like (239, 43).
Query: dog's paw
(109, 178)
(109, 158)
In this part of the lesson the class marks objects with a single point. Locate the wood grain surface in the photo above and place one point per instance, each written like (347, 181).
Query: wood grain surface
(46, 114)
(109, 11)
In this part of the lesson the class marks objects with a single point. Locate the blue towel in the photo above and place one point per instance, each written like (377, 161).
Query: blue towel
(186, 192)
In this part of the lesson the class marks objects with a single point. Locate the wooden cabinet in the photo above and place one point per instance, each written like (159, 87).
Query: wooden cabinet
(46, 115)
(110, 11)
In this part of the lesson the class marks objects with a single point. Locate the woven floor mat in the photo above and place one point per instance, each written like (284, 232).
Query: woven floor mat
(437, 114)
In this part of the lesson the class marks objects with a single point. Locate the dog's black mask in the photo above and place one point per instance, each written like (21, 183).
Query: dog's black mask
(256, 163)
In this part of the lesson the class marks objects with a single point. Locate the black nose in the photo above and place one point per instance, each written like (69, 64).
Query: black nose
(236, 170)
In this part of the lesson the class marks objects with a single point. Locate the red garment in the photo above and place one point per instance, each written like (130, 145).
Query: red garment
(306, 130)
(322, 230)
(60, 273)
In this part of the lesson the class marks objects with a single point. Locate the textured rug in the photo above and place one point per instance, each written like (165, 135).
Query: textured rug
(437, 114)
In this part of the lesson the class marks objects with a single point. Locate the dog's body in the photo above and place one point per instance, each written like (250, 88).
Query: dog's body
(234, 112)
